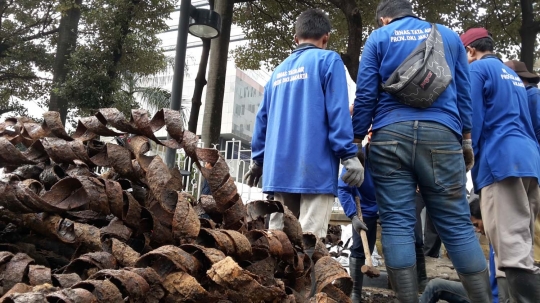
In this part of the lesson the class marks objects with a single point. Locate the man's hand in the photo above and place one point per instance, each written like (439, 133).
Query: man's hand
(355, 172)
(253, 175)
(361, 156)
(468, 153)
(357, 224)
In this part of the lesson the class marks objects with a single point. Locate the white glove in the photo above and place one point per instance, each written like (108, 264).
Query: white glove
(355, 172)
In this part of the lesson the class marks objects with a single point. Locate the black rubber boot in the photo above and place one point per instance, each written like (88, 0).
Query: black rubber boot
(421, 269)
(477, 286)
(355, 265)
(404, 283)
(524, 286)
(504, 291)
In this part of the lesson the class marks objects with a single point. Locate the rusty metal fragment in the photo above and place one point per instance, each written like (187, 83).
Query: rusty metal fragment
(167, 259)
(77, 295)
(65, 280)
(131, 285)
(322, 298)
(185, 224)
(182, 285)
(39, 274)
(228, 274)
(34, 297)
(124, 254)
(156, 291)
(15, 270)
(103, 290)
(292, 228)
(327, 272)
(88, 264)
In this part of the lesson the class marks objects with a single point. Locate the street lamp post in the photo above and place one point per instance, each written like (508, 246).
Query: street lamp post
(202, 23)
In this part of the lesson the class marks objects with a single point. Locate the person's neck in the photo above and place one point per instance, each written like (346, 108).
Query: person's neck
(480, 55)
(317, 42)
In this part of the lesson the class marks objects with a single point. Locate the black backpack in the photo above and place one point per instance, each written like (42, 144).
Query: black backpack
(423, 76)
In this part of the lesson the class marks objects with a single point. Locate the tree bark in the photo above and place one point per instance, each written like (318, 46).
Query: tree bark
(351, 58)
(528, 31)
(67, 40)
(200, 83)
(219, 51)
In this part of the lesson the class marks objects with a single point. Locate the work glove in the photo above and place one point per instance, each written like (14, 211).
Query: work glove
(357, 224)
(361, 157)
(355, 172)
(468, 153)
(253, 175)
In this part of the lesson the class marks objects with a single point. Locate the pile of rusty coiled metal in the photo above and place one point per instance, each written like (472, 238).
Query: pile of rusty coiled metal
(131, 234)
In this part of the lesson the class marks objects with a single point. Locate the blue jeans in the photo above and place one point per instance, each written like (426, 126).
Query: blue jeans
(450, 291)
(404, 155)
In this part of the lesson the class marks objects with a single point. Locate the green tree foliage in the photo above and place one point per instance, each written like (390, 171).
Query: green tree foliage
(26, 30)
(118, 38)
(268, 25)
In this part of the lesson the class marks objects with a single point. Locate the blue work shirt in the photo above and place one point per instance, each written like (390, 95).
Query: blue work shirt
(366, 192)
(385, 49)
(503, 138)
(492, 277)
(533, 94)
(303, 127)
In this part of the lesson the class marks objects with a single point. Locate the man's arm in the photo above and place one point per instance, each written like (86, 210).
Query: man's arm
(346, 196)
(534, 98)
(258, 140)
(340, 132)
(477, 95)
(367, 90)
(463, 88)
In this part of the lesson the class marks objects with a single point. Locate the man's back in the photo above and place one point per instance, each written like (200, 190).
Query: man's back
(503, 137)
(385, 50)
(307, 129)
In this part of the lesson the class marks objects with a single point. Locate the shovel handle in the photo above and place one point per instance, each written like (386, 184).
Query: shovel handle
(363, 235)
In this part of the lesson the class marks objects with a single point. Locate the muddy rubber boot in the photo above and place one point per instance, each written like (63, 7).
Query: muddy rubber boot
(524, 286)
(477, 286)
(355, 265)
(504, 291)
(404, 283)
(421, 269)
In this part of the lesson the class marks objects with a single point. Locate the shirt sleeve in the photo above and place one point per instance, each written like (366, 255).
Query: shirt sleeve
(258, 140)
(478, 110)
(346, 196)
(367, 89)
(463, 87)
(340, 134)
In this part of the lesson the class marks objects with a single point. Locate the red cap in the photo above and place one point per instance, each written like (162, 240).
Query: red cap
(474, 34)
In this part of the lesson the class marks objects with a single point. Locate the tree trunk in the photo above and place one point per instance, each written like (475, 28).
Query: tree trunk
(67, 40)
(219, 52)
(528, 31)
(200, 82)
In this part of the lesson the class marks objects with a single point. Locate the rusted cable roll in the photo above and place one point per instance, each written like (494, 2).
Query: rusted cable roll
(65, 280)
(206, 256)
(242, 247)
(10, 156)
(125, 255)
(292, 228)
(77, 295)
(216, 172)
(131, 285)
(50, 175)
(52, 121)
(183, 285)
(5, 256)
(226, 195)
(15, 270)
(261, 208)
(89, 127)
(208, 203)
(67, 194)
(34, 297)
(167, 259)
(103, 290)
(216, 239)
(95, 189)
(62, 151)
(10, 201)
(28, 191)
(185, 224)
(159, 234)
(262, 241)
(90, 263)
(234, 218)
(157, 210)
(39, 274)
(156, 292)
(330, 275)
(29, 171)
(137, 191)
(264, 269)
(131, 213)
(228, 274)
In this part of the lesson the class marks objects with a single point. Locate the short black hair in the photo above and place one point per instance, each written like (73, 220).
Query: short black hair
(474, 207)
(393, 9)
(312, 24)
(483, 45)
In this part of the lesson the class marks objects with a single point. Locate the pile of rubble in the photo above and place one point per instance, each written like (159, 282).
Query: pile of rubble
(131, 234)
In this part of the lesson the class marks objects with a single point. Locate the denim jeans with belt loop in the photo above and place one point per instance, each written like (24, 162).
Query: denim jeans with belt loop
(428, 154)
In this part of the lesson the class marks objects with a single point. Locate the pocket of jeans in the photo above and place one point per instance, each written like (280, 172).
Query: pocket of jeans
(448, 168)
(383, 159)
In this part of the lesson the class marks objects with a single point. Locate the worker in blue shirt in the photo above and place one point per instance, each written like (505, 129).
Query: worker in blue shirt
(418, 146)
(303, 129)
(507, 165)
(347, 195)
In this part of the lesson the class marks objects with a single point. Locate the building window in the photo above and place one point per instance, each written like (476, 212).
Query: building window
(243, 109)
(248, 127)
(238, 110)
